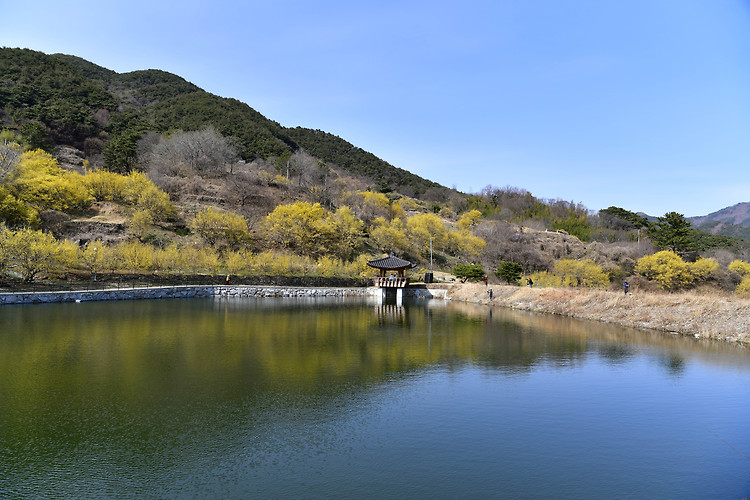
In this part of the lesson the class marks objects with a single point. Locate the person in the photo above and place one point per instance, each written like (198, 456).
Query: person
(490, 292)
(485, 280)
(531, 283)
(228, 280)
(625, 287)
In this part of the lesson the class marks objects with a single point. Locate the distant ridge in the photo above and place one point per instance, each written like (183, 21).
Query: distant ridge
(731, 221)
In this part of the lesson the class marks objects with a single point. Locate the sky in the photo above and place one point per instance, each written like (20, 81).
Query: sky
(643, 104)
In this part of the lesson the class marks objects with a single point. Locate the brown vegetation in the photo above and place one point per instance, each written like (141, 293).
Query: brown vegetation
(711, 315)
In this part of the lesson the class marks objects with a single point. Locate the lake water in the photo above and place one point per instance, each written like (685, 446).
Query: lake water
(294, 398)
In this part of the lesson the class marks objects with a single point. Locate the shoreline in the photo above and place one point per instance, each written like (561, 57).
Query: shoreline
(718, 317)
(712, 316)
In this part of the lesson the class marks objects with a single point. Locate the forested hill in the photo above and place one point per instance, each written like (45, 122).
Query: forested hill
(731, 221)
(63, 100)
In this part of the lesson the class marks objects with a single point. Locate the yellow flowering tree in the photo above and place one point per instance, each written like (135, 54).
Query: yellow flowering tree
(31, 252)
(39, 181)
(584, 273)
(215, 226)
(743, 269)
(665, 268)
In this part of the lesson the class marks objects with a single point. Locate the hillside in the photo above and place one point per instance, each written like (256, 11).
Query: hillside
(65, 101)
(731, 221)
(150, 160)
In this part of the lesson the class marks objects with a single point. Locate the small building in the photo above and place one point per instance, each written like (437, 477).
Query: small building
(391, 275)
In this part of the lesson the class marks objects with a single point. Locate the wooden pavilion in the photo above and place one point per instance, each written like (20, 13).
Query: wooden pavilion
(386, 280)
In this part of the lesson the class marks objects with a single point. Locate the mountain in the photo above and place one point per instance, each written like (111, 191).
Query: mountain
(82, 111)
(731, 221)
(63, 100)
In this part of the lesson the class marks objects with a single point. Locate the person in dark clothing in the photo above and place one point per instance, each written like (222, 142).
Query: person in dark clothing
(625, 287)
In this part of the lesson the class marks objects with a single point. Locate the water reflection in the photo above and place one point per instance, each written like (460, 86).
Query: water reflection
(143, 391)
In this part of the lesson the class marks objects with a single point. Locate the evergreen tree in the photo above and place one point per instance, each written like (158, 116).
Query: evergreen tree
(509, 271)
(672, 232)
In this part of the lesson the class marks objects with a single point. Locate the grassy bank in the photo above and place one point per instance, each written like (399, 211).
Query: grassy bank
(711, 315)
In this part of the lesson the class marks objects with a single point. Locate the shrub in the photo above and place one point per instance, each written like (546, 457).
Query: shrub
(580, 273)
(665, 268)
(702, 268)
(472, 272)
(31, 253)
(214, 226)
(509, 271)
(104, 185)
(743, 289)
(740, 267)
(545, 279)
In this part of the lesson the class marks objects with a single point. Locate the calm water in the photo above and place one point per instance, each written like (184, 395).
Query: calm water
(344, 399)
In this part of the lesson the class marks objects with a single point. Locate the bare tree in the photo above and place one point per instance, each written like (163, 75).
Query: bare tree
(203, 152)
(10, 153)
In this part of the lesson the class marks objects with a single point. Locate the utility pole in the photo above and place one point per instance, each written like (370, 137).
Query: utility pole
(430, 254)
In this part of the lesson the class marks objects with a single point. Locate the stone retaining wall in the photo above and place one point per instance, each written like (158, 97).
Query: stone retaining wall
(177, 292)
(278, 291)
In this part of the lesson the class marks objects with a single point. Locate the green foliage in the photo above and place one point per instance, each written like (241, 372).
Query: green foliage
(672, 232)
(50, 92)
(509, 271)
(469, 272)
(731, 233)
(121, 153)
(702, 241)
(256, 135)
(626, 218)
(333, 149)
(576, 226)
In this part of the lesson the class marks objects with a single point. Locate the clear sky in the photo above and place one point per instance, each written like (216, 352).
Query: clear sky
(642, 104)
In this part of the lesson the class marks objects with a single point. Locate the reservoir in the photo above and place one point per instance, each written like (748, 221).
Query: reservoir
(348, 398)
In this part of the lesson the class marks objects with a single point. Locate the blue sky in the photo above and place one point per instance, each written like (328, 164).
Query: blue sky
(643, 104)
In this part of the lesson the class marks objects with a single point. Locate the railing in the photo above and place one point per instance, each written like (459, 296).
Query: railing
(77, 286)
(390, 281)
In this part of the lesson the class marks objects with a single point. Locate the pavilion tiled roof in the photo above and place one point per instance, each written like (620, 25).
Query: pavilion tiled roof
(391, 262)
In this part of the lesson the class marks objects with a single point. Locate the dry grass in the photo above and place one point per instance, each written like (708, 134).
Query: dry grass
(707, 314)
